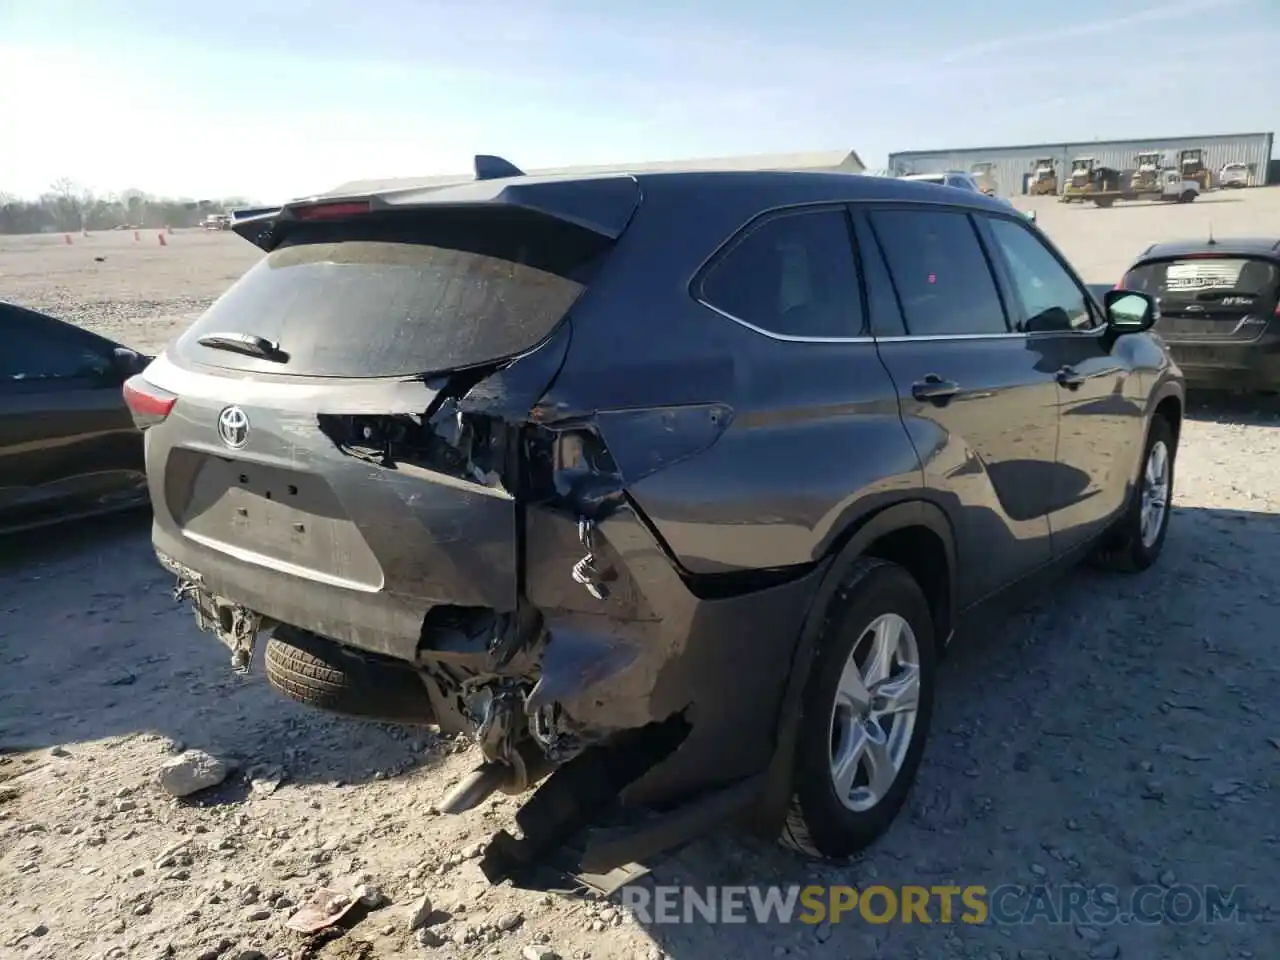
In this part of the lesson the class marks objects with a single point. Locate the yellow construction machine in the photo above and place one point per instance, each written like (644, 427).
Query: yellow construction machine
(1191, 167)
(1146, 178)
(1080, 183)
(1091, 182)
(1044, 177)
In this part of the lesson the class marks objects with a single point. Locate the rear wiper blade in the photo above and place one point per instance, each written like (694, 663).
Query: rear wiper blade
(245, 343)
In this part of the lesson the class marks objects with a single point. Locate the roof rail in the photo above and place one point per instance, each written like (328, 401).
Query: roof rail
(495, 168)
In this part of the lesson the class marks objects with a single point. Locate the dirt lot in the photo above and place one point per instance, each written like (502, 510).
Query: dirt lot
(1123, 731)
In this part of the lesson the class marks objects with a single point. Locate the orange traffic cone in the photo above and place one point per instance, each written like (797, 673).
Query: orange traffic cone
(67, 239)
(163, 241)
(137, 235)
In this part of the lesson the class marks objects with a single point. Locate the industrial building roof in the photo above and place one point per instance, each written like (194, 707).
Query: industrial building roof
(821, 160)
(1063, 144)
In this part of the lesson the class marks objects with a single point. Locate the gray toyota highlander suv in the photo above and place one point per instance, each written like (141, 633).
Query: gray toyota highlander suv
(669, 488)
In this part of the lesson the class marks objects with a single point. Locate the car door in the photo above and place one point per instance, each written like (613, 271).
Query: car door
(67, 443)
(979, 406)
(1100, 395)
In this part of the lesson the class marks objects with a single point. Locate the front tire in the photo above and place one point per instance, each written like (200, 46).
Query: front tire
(867, 707)
(1138, 538)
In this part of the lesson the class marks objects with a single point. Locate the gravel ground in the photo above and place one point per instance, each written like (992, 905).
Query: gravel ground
(1121, 731)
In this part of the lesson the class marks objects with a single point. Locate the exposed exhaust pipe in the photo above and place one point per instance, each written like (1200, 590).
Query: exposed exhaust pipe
(494, 775)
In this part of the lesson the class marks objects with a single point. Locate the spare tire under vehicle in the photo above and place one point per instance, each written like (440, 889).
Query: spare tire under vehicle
(320, 673)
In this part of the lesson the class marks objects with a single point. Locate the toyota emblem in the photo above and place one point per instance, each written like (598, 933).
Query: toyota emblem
(233, 427)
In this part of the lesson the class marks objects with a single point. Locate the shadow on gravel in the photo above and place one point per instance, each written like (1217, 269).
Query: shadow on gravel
(1246, 409)
(1118, 730)
(93, 647)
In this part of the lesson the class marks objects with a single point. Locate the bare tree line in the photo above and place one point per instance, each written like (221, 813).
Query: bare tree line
(67, 207)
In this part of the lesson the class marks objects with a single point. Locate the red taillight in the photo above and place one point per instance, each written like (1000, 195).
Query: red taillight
(324, 211)
(147, 402)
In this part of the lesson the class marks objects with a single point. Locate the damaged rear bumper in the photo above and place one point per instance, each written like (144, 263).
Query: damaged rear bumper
(659, 713)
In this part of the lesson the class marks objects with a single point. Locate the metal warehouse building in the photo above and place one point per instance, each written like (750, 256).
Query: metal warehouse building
(1013, 165)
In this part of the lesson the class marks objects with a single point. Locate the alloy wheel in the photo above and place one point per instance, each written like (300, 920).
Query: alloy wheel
(874, 716)
(1155, 493)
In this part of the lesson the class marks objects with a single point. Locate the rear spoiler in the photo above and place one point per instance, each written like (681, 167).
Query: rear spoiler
(238, 215)
(256, 224)
(602, 204)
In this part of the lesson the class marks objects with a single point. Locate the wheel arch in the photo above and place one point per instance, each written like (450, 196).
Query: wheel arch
(915, 534)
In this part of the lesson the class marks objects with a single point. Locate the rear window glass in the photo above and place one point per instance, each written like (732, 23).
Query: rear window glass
(1224, 279)
(397, 295)
(792, 275)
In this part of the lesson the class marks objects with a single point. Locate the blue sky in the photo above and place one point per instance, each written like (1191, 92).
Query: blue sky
(277, 98)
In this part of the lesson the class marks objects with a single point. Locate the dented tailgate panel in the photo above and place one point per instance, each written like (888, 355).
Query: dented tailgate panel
(354, 507)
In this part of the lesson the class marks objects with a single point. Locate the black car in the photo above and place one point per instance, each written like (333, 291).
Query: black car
(670, 486)
(1219, 306)
(68, 444)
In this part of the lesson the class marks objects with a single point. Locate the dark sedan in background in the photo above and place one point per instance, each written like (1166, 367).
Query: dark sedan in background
(68, 445)
(1219, 308)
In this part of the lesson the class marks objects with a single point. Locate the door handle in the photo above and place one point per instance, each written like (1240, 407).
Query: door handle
(1068, 377)
(934, 389)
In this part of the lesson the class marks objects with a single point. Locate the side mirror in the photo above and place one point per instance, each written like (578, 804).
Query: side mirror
(123, 364)
(1031, 215)
(1130, 312)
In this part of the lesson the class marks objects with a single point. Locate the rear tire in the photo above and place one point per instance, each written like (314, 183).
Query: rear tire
(1127, 548)
(824, 821)
(320, 673)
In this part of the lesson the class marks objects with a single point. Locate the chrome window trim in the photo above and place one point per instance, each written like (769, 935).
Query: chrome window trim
(815, 206)
(1095, 332)
(784, 337)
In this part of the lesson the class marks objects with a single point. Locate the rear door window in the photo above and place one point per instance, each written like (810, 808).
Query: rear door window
(940, 271)
(792, 274)
(398, 295)
(1208, 286)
